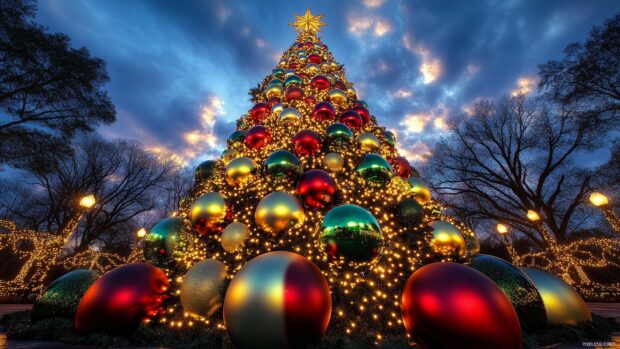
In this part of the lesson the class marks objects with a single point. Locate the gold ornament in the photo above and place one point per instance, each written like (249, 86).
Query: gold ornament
(202, 291)
(333, 161)
(278, 211)
(234, 235)
(230, 154)
(421, 190)
(240, 170)
(447, 240)
(368, 141)
(337, 96)
(307, 22)
(208, 212)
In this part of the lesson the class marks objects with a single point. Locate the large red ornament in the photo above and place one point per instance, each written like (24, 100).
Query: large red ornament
(294, 93)
(352, 119)
(306, 142)
(273, 101)
(260, 111)
(315, 59)
(363, 112)
(320, 82)
(277, 300)
(310, 100)
(324, 111)
(316, 188)
(400, 166)
(257, 137)
(121, 299)
(449, 305)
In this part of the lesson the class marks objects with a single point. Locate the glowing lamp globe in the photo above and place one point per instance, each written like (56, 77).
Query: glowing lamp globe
(597, 199)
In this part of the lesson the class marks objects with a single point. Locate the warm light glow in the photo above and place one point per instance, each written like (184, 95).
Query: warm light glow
(502, 229)
(141, 233)
(525, 85)
(88, 201)
(597, 199)
(532, 215)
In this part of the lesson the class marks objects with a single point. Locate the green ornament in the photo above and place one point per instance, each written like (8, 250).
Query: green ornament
(283, 164)
(362, 103)
(390, 138)
(236, 137)
(517, 286)
(339, 133)
(293, 80)
(62, 297)
(161, 245)
(350, 234)
(408, 213)
(205, 170)
(276, 82)
(374, 168)
(278, 73)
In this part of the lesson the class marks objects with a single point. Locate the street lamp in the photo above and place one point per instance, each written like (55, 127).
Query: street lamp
(141, 233)
(502, 229)
(503, 232)
(601, 201)
(88, 201)
(534, 217)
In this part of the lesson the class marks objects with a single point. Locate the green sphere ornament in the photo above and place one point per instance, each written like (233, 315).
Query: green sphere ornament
(351, 235)
(234, 236)
(333, 162)
(205, 170)
(240, 170)
(447, 240)
(236, 138)
(339, 133)
(375, 169)
(517, 286)
(409, 213)
(368, 142)
(203, 288)
(390, 138)
(162, 243)
(62, 297)
(282, 164)
(420, 190)
(293, 80)
(279, 211)
(208, 213)
(564, 306)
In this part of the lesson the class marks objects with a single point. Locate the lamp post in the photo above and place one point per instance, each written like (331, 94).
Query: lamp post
(601, 201)
(534, 217)
(502, 230)
(84, 204)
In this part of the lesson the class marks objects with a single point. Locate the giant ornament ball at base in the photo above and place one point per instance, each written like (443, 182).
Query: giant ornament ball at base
(449, 305)
(203, 288)
(121, 299)
(317, 188)
(517, 286)
(161, 244)
(351, 235)
(277, 212)
(62, 296)
(277, 300)
(564, 306)
(208, 213)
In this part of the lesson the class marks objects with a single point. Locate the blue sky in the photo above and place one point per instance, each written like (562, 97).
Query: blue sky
(180, 70)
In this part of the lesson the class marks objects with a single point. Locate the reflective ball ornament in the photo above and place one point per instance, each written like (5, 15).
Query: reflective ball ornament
(517, 286)
(62, 296)
(409, 213)
(320, 82)
(259, 112)
(339, 133)
(564, 306)
(333, 162)
(363, 112)
(208, 213)
(278, 73)
(277, 212)
(203, 288)
(293, 80)
(283, 164)
(278, 300)
(315, 59)
(121, 299)
(324, 111)
(274, 91)
(449, 305)
(290, 115)
(390, 138)
(306, 142)
(420, 190)
(352, 119)
(368, 141)
(236, 138)
(401, 167)
(294, 93)
(234, 236)
(277, 108)
(205, 170)
(351, 235)
(230, 154)
(447, 240)
(337, 96)
(257, 137)
(375, 169)
(312, 69)
(162, 243)
(240, 170)
(317, 188)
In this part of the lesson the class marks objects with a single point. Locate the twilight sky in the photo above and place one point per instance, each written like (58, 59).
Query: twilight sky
(181, 70)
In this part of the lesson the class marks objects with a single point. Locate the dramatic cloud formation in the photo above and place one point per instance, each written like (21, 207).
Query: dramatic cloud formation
(181, 71)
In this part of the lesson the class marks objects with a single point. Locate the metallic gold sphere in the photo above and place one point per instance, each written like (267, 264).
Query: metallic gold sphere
(312, 68)
(208, 213)
(234, 236)
(368, 142)
(421, 190)
(278, 211)
(291, 115)
(277, 108)
(351, 91)
(203, 288)
(230, 154)
(333, 161)
(447, 240)
(562, 303)
(240, 170)
(337, 96)
(274, 91)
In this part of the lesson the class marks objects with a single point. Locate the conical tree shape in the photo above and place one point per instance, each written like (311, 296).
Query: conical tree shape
(355, 208)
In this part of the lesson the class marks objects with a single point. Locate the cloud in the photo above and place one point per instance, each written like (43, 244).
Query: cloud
(525, 85)
(373, 3)
(363, 25)
(401, 93)
(430, 67)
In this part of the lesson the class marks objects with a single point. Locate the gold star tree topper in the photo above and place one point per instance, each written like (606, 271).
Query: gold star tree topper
(308, 22)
